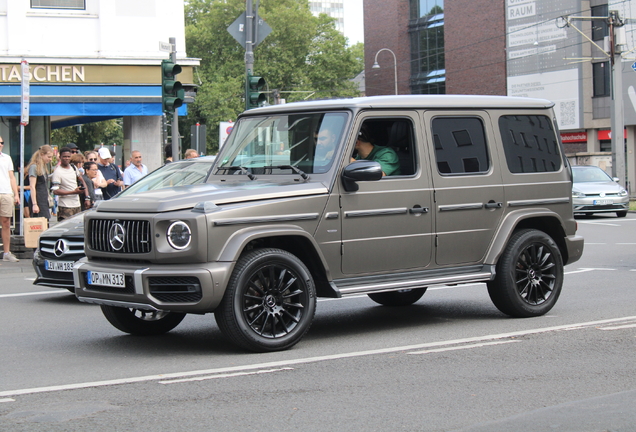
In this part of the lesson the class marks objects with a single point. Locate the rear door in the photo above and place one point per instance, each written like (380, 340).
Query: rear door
(467, 185)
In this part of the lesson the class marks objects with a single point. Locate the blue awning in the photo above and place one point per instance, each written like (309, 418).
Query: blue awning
(85, 101)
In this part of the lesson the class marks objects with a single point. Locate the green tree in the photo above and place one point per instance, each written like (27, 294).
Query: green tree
(90, 135)
(303, 57)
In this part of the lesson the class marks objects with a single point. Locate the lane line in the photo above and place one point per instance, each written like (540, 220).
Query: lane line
(438, 350)
(618, 327)
(230, 375)
(307, 360)
(7, 400)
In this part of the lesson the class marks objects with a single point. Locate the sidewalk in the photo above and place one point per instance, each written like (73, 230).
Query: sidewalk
(25, 266)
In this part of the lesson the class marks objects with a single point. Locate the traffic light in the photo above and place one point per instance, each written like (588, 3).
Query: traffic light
(254, 97)
(172, 92)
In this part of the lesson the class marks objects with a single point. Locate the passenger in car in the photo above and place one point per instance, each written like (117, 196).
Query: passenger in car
(385, 156)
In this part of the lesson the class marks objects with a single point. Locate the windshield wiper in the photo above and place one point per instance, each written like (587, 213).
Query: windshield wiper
(290, 167)
(236, 167)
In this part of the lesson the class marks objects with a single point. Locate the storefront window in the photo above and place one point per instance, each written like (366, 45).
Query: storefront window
(58, 4)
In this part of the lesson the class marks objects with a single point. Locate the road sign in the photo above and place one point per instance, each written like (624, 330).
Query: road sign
(24, 101)
(261, 30)
(634, 66)
(165, 46)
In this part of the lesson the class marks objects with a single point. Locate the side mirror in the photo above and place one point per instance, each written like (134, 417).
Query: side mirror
(360, 171)
(616, 179)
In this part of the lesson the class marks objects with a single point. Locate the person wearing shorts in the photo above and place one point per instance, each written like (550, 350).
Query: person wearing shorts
(9, 198)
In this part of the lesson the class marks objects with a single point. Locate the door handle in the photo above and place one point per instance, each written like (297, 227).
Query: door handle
(492, 204)
(418, 210)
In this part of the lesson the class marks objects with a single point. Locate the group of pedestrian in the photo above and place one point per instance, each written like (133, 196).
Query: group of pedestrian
(77, 182)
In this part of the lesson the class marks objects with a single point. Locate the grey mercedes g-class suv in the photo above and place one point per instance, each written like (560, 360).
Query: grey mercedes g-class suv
(383, 196)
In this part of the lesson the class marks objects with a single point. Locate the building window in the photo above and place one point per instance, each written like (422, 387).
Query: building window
(422, 8)
(428, 73)
(601, 79)
(58, 4)
(599, 27)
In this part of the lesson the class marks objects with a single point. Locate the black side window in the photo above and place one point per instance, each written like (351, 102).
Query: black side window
(530, 144)
(460, 145)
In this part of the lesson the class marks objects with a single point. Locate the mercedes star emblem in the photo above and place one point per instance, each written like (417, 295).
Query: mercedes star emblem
(116, 235)
(60, 248)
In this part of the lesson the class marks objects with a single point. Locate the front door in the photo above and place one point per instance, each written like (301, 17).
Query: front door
(387, 224)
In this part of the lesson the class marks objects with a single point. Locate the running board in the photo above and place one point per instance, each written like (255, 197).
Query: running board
(370, 284)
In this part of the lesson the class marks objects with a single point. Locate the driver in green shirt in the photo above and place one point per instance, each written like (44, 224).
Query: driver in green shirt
(385, 156)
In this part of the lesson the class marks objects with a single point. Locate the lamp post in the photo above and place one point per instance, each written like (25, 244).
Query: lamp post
(377, 66)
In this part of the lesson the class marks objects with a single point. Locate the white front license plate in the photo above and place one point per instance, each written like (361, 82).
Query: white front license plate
(106, 279)
(58, 266)
(603, 202)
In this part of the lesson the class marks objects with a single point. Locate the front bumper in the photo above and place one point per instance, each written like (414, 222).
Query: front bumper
(188, 288)
(55, 279)
(596, 205)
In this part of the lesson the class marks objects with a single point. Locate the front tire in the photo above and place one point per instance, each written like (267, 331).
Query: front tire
(141, 322)
(621, 213)
(529, 275)
(398, 298)
(269, 303)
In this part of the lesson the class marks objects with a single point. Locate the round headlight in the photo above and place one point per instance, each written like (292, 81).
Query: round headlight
(179, 235)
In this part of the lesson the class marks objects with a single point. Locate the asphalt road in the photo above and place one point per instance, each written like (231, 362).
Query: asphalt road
(450, 362)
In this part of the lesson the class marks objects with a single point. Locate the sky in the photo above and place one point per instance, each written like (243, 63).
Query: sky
(354, 21)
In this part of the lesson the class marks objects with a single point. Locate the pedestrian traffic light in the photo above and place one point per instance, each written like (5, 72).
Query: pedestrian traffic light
(172, 92)
(254, 96)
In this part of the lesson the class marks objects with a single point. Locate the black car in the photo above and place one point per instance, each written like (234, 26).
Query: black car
(63, 244)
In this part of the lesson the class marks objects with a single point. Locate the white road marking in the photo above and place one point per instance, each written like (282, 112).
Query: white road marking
(583, 270)
(230, 375)
(7, 400)
(455, 348)
(618, 327)
(307, 360)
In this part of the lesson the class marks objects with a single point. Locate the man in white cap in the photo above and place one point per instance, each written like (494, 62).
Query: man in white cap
(111, 172)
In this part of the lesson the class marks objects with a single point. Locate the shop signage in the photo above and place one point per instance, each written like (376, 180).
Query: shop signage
(574, 137)
(606, 135)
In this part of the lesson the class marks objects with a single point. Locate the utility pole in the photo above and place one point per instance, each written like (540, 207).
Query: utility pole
(249, 47)
(618, 138)
(176, 138)
(616, 42)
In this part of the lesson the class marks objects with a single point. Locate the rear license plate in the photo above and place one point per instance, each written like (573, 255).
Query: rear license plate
(603, 202)
(58, 266)
(106, 279)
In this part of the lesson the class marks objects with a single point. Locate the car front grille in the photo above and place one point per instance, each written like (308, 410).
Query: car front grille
(64, 249)
(136, 236)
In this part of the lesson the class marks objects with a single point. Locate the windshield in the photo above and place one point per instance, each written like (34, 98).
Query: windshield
(283, 144)
(172, 174)
(583, 175)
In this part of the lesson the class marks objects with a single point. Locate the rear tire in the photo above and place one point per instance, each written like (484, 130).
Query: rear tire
(529, 275)
(398, 298)
(141, 322)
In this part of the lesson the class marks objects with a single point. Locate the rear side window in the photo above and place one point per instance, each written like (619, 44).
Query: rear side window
(530, 144)
(460, 145)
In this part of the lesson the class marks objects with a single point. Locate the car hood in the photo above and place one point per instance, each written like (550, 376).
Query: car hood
(590, 188)
(67, 228)
(219, 193)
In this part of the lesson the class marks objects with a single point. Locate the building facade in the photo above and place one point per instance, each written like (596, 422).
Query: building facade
(89, 60)
(515, 48)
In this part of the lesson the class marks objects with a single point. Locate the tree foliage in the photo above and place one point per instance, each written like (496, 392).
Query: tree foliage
(304, 57)
(90, 135)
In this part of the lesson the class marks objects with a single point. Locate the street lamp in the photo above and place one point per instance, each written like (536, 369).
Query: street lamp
(377, 66)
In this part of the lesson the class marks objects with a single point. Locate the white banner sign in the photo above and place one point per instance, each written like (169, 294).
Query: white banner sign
(24, 101)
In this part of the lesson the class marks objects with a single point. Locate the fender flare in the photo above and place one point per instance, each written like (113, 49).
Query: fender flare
(507, 227)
